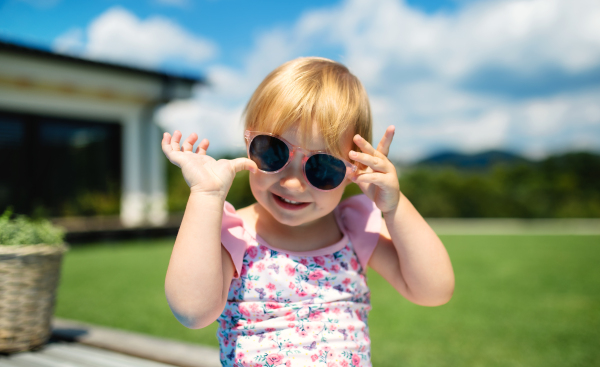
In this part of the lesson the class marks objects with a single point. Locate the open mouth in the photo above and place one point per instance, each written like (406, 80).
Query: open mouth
(289, 204)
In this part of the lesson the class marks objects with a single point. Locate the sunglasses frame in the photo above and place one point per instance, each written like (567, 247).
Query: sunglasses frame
(250, 135)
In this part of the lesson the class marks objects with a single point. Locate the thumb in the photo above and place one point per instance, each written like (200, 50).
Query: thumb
(240, 164)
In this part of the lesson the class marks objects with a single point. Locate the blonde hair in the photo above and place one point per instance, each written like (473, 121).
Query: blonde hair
(311, 90)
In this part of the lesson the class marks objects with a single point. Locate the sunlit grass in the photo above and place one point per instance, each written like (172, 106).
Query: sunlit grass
(519, 301)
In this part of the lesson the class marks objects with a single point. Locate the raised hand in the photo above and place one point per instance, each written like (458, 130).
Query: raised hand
(201, 172)
(377, 177)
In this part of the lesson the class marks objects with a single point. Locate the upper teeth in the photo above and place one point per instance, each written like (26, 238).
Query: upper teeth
(289, 201)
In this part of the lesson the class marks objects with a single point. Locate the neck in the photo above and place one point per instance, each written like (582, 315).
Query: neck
(310, 236)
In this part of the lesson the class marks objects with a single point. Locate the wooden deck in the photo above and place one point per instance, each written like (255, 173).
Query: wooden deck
(77, 344)
(69, 354)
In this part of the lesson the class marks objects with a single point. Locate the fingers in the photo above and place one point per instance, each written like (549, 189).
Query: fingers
(376, 163)
(202, 146)
(364, 145)
(240, 164)
(175, 141)
(372, 178)
(188, 144)
(386, 141)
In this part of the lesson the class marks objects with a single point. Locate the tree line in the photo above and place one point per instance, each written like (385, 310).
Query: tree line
(560, 186)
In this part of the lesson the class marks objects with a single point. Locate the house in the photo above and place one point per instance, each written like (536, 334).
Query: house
(79, 135)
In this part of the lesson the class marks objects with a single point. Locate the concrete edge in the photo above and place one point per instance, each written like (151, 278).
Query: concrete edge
(136, 344)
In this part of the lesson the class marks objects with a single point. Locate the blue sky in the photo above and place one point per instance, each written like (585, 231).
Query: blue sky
(466, 75)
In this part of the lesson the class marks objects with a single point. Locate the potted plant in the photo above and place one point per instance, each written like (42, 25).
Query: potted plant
(30, 259)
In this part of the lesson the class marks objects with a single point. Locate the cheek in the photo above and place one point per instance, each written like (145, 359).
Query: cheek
(260, 182)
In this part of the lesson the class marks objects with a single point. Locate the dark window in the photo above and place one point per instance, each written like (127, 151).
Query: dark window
(59, 166)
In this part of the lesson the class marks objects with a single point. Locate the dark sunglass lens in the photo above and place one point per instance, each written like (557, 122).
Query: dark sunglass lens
(269, 153)
(324, 171)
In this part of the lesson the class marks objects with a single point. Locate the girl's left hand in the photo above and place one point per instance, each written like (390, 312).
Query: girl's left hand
(377, 176)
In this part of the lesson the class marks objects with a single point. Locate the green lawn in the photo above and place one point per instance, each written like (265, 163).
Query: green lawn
(519, 301)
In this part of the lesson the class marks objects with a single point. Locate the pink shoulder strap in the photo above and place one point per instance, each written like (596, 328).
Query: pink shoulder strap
(361, 220)
(233, 237)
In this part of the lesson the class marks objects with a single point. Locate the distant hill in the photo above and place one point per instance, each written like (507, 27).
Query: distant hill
(472, 161)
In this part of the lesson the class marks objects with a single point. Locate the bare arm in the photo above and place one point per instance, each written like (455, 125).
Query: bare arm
(200, 269)
(409, 255)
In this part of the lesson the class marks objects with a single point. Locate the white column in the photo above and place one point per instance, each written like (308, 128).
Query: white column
(133, 197)
(157, 213)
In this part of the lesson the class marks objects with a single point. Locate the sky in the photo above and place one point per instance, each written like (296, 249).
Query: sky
(461, 75)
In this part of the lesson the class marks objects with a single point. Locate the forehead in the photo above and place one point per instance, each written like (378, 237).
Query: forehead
(311, 138)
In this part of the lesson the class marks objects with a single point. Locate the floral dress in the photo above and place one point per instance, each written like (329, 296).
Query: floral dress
(299, 308)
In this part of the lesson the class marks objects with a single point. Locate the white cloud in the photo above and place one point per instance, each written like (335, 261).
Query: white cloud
(118, 35)
(497, 74)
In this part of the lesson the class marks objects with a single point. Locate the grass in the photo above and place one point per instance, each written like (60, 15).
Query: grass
(519, 301)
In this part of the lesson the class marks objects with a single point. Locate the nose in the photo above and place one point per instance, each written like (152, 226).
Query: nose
(292, 176)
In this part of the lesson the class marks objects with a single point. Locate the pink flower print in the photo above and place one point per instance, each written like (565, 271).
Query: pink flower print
(250, 333)
(244, 270)
(315, 275)
(335, 268)
(291, 325)
(315, 316)
(314, 357)
(304, 262)
(355, 359)
(228, 313)
(303, 334)
(290, 317)
(330, 355)
(332, 364)
(271, 286)
(346, 281)
(353, 264)
(289, 345)
(302, 294)
(252, 252)
(273, 305)
(344, 364)
(336, 310)
(260, 267)
(319, 260)
(250, 285)
(327, 285)
(332, 327)
(288, 363)
(326, 348)
(317, 328)
(292, 286)
(290, 270)
(244, 311)
(351, 328)
(308, 327)
(254, 307)
(270, 329)
(240, 355)
(274, 358)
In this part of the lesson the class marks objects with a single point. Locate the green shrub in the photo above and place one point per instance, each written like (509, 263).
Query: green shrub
(25, 231)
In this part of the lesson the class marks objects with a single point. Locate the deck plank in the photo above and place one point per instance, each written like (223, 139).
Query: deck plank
(65, 354)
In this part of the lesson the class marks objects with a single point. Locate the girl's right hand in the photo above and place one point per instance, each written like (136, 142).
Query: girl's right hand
(201, 172)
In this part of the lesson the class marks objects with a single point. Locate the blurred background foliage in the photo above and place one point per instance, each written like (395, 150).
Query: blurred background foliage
(560, 186)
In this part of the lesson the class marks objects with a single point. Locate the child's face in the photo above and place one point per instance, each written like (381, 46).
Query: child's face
(268, 189)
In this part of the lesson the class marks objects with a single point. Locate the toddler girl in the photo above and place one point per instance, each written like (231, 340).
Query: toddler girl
(286, 277)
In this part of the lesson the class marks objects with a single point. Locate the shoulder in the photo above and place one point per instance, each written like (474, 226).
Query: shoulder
(248, 215)
(359, 211)
(361, 220)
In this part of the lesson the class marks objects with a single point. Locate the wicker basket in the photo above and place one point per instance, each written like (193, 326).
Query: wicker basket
(28, 280)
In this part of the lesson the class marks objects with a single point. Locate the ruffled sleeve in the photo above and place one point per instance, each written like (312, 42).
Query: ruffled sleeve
(361, 221)
(234, 237)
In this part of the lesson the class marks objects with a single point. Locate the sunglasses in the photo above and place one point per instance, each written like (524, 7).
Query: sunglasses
(272, 154)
